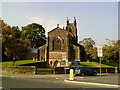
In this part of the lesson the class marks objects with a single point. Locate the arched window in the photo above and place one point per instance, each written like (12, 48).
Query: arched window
(70, 29)
(55, 63)
(57, 44)
(50, 62)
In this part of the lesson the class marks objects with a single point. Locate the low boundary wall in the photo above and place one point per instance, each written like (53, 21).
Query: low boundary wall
(106, 70)
(61, 70)
(37, 64)
(19, 69)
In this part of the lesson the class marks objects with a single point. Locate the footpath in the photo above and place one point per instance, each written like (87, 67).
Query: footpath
(94, 64)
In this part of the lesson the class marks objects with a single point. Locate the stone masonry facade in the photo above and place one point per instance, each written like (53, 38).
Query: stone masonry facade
(62, 46)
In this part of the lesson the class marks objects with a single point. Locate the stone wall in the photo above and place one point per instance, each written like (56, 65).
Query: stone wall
(38, 64)
(43, 52)
(19, 69)
(55, 55)
(60, 33)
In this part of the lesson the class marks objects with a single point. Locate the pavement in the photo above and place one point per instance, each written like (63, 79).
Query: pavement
(103, 79)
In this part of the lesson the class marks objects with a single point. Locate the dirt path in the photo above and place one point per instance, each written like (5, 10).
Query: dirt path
(94, 64)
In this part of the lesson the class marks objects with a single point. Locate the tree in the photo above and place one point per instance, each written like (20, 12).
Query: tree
(94, 53)
(2, 24)
(35, 33)
(88, 43)
(8, 41)
(21, 49)
(111, 51)
(13, 47)
(111, 42)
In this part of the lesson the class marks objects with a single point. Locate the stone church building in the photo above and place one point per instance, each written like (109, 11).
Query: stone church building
(62, 46)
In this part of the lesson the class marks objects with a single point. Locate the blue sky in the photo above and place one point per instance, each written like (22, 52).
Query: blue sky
(98, 20)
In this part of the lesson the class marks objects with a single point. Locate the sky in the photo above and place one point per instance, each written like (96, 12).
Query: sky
(96, 20)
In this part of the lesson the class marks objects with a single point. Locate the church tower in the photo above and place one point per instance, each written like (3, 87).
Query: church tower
(72, 28)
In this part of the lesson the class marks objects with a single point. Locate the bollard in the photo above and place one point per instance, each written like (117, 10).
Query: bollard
(71, 74)
(33, 59)
(115, 69)
(106, 71)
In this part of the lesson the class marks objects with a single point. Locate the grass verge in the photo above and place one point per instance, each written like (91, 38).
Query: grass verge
(43, 69)
(20, 62)
(102, 65)
(86, 64)
(105, 64)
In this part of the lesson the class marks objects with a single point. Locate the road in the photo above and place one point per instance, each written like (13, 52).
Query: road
(42, 81)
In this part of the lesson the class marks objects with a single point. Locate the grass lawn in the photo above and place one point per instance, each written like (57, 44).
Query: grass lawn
(103, 65)
(20, 62)
(43, 69)
(39, 70)
(86, 64)
(110, 63)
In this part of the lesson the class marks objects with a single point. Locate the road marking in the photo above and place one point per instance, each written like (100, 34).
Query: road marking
(12, 76)
(0, 88)
(90, 83)
(0, 75)
(56, 78)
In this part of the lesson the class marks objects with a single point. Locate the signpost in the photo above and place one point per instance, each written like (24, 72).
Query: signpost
(99, 51)
(63, 63)
(100, 54)
(75, 63)
(64, 56)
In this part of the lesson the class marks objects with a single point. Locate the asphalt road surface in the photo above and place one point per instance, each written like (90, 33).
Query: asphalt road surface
(44, 82)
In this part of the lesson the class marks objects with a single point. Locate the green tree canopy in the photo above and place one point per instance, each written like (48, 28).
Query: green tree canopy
(111, 51)
(13, 47)
(88, 44)
(35, 33)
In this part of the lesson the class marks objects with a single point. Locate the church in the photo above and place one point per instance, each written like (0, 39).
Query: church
(62, 46)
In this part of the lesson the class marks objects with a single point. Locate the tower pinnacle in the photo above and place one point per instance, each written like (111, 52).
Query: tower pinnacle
(57, 25)
(67, 21)
(75, 21)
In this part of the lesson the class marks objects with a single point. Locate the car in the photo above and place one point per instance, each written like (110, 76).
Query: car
(83, 71)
